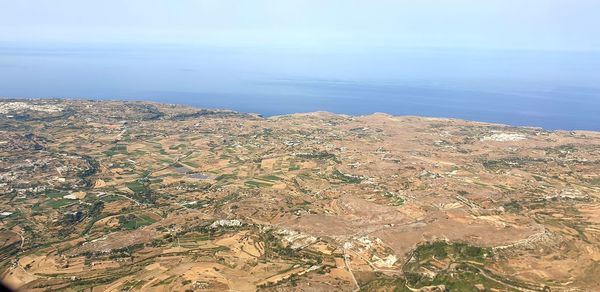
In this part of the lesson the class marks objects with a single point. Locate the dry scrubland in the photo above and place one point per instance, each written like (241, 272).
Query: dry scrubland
(111, 196)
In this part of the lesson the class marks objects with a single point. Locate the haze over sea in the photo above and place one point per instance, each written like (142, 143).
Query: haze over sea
(549, 89)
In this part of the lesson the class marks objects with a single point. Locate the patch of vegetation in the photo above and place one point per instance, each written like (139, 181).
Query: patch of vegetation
(512, 206)
(111, 198)
(270, 178)
(56, 194)
(563, 151)
(91, 170)
(257, 184)
(73, 217)
(95, 214)
(395, 199)
(274, 248)
(463, 278)
(456, 266)
(138, 187)
(381, 282)
(144, 111)
(117, 149)
(537, 178)
(132, 221)
(226, 199)
(323, 155)
(346, 178)
(226, 177)
(142, 191)
(191, 164)
(441, 250)
(510, 162)
(56, 204)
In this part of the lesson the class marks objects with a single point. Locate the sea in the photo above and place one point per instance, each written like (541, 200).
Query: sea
(548, 89)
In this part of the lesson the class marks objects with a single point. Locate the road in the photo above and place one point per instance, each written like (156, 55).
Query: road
(346, 256)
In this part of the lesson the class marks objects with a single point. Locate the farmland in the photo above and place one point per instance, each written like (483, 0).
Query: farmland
(138, 196)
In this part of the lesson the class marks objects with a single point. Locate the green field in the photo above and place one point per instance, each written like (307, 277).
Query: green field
(132, 221)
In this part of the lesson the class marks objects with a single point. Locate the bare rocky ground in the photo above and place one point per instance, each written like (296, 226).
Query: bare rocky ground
(112, 196)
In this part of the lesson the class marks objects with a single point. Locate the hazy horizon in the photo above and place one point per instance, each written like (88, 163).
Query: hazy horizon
(532, 62)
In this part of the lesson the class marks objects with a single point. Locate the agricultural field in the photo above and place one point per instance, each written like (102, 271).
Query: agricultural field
(139, 196)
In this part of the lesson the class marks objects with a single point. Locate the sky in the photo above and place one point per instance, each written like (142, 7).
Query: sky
(563, 25)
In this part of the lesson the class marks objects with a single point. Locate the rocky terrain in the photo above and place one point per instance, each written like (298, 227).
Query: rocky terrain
(138, 196)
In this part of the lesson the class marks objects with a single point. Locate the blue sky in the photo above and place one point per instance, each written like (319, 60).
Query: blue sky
(519, 24)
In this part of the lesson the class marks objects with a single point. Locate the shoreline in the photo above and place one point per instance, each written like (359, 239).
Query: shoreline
(59, 99)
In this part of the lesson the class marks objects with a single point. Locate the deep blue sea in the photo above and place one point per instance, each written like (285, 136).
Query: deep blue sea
(553, 90)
